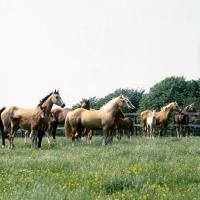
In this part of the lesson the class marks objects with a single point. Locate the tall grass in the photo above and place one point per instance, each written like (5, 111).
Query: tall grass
(167, 168)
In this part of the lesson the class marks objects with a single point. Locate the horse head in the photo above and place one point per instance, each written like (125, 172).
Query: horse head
(153, 113)
(191, 108)
(123, 104)
(132, 107)
(56, 99)
(85, 104)
(172, 106)
(43, 111)
(52, 117)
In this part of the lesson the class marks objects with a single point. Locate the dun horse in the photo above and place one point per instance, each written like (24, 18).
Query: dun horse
(162, 117)
(30, 123)
(151, 123)
(181, 119)
(48, 101)
(57, 116)
(81, 118)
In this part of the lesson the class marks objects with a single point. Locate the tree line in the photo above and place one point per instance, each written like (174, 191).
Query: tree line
(166, 91)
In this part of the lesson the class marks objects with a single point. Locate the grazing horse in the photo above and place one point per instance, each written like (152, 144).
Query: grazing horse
(181, 119)
(57, 116)
(30, 123)
(151, 123)
(162, 117)
(81, 118)
(48, 101)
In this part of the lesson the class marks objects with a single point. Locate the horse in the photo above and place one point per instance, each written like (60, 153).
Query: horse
(30, 123)
(9, 131)
(81, 118)
(51, 119)
(57, 116)
(181, 119)
(162, 117)
(151, 123)
(119, 114)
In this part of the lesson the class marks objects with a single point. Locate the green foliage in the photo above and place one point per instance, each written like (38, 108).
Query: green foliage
(170, 90)
(162, 93)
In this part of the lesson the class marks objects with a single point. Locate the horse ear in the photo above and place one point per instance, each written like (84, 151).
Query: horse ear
(54, 91)
(57, 91)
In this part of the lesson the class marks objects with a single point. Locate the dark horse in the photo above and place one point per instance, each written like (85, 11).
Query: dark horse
(181, 119)
(58, 115)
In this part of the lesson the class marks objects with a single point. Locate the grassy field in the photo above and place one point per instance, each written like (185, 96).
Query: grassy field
(166, 168)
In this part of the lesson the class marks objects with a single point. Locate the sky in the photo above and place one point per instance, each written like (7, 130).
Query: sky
(90, 48)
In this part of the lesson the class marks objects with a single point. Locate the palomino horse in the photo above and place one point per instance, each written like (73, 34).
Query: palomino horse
(57, 116)
(30, 123)
(151, 123)
(124, 123)
(162, 117)
(48, 101)
(81, 118)
(181, 119)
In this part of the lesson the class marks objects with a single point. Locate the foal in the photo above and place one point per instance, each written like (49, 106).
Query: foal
(151, 123)
(30, 123)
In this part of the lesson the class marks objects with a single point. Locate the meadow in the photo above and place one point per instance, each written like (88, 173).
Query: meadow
(163, 168)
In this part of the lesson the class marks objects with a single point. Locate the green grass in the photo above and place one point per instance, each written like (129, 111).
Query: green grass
(166, 168)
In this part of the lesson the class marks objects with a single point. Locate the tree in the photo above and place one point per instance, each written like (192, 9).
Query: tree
(169, 90)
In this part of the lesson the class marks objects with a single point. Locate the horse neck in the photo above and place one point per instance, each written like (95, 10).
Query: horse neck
(48, 103)
(185, 110)
(168, 112)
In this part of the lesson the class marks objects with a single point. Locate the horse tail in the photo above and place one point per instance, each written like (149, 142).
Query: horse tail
(67, 126)
(1, 123)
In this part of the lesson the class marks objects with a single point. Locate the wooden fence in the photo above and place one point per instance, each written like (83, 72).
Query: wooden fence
(172, 126)
(138, 127)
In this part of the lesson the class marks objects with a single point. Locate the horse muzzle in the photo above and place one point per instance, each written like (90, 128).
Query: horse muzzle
(63, 105)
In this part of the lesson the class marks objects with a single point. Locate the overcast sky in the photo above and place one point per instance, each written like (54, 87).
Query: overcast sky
(88, 48)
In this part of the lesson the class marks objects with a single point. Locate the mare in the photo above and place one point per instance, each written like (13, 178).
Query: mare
(151, 123)
(182, 119)
(57, 116)
(30, 123)
(122, 122)
(48, 101)
(81, 118)
(162, 117)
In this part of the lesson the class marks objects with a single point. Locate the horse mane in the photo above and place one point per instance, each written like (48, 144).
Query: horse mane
(108, 106)
(2, 109)
(45, 98)
(165, 107)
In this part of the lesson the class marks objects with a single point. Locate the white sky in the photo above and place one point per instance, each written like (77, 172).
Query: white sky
(88, 48)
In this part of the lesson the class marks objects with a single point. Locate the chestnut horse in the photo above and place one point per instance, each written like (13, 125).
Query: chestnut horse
(48, 101)
(81, 118)
(181, 119)
(51, 119)
(57, 116)
(30, 123)
(162, 117)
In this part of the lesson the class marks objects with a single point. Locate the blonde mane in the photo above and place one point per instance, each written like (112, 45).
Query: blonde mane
(108, 106)
(165, 107)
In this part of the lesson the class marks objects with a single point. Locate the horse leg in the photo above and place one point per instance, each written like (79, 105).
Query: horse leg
(105, 133)
(181, 131)
(160, 131)
(89, 136)
(40, 136)
(54, 132)
(144, 128)
(4, 136)
(177, 130)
